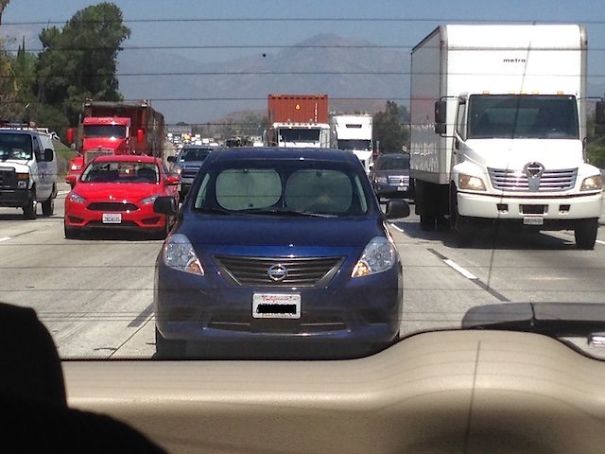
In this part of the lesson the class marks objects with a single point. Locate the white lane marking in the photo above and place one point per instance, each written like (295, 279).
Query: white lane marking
(62, 192)
(467, 274)
(397, 228)
(5, 238)
(600, 242)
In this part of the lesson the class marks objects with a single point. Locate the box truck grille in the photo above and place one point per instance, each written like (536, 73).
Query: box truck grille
(300, 272)
(550, 181)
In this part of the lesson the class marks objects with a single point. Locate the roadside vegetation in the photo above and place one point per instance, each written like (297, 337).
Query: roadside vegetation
(77, 61)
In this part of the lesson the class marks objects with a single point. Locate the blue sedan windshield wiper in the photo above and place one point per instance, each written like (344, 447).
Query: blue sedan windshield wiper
(285, 212)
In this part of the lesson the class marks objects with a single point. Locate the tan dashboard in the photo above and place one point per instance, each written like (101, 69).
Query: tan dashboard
(451, 391)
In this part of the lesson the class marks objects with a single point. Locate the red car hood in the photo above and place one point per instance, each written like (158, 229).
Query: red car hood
(117, 191)
(102, 142)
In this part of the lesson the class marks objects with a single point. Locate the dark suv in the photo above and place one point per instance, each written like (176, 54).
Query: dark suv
(187, 162)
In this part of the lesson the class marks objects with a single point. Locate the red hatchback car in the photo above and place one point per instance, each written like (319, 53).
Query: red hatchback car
(117, 192)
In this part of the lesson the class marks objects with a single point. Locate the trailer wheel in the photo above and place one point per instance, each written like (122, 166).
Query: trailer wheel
(586, 233)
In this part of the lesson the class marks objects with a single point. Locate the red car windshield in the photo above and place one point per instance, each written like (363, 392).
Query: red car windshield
(121, 172)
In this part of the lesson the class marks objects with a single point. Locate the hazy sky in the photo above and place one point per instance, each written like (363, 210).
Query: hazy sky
(150, 23)
(398, 33)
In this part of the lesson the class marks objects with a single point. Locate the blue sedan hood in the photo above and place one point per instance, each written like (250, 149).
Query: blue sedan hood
(236, 230)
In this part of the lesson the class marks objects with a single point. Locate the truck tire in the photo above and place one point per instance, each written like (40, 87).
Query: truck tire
(168, 348)
(459, 225)
(586, 233)
(30, 210)
(48, 206)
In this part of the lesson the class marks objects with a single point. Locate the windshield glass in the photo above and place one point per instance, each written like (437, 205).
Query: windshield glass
(392, 163)
(298, 135)
(532, 117)
(110, 131)
(193, 154)
(15, 146)
(500, 221)
(121, 172)
(355, 144)
(312, 189)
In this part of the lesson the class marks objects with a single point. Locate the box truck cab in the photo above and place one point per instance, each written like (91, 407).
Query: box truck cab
(498, 130)
(354, 133)
(28, 171)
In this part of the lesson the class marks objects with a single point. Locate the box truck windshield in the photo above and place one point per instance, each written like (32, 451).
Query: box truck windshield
(117, 131)
(350, 144)
(522, 116)
(298, 135)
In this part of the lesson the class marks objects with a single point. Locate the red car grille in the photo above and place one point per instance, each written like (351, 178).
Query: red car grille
(112, 206)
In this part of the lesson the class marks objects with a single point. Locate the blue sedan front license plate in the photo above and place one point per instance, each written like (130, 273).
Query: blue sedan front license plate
(276, 305)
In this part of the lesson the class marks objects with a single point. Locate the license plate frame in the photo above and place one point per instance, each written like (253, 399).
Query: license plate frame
(276, 306)
(533, 220)
(112, 218)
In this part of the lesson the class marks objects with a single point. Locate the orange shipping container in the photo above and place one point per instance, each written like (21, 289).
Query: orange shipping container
(298, 108)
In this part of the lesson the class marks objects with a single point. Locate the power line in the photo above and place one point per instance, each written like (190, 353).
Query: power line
(449, 20)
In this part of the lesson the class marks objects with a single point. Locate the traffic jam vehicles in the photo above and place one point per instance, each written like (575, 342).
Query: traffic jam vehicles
(117, 192)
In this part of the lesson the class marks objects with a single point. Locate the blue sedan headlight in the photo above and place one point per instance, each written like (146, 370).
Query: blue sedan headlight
(178, 254)
(379, 255)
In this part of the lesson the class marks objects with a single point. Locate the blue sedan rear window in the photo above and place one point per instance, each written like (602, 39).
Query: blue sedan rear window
(315, 190)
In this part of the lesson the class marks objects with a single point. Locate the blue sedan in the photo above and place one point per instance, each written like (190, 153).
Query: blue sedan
(278, 253)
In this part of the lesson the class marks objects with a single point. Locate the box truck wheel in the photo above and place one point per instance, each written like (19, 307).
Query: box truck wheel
(31, 206)
(460, 225)
(586, 233)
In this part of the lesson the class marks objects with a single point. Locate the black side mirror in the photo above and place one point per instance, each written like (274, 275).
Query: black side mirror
(165, 205)
(600, 111)
(441, 117)
(48, 154)
(171, 159)
(397, 208)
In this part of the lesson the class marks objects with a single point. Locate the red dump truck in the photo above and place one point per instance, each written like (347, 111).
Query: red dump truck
(298, 121)
(132, 127)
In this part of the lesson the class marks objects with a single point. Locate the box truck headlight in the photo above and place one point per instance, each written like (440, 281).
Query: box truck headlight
(592, 183)
(470, 183)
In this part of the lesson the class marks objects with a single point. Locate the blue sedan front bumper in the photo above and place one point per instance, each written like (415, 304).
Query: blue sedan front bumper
(344, 318)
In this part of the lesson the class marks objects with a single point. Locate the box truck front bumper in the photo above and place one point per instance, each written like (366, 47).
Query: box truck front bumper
(571, 207)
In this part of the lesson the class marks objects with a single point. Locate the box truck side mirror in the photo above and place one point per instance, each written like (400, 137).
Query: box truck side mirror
(140, 136)
(600, 111)
(440, 117)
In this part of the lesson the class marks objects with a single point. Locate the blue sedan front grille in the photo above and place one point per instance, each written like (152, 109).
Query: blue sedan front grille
(300, 271)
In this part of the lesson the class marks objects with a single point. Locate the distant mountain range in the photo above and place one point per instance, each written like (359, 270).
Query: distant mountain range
(329, 63)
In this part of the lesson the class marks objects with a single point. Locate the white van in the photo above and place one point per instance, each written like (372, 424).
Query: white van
(28, 171)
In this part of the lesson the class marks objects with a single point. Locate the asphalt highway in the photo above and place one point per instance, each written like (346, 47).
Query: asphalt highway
(95, 294)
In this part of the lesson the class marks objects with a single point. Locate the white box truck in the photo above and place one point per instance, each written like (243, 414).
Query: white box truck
(354, 133)
(498, 130)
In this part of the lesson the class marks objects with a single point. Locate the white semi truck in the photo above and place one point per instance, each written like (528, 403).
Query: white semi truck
(498, 130)
(354, 133)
